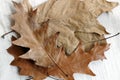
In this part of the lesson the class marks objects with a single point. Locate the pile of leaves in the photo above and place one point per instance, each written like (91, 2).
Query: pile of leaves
(58, 37)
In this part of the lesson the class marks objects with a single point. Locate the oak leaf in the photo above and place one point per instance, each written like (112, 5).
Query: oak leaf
(65, 66)
(74, 19)
(77, 62)
(78, 28)
(26, 67)
(76, 16)
(34, 38)
(22, 16)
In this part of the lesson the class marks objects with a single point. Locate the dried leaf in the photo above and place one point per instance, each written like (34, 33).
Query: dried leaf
(34, 38)
(78, 62)
(75, 20)
(27, 67)
(65, 66)
(75, 16)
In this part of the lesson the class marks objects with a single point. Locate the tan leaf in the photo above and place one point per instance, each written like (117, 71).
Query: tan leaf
(75, 16)
(74, 19)
(34, 38)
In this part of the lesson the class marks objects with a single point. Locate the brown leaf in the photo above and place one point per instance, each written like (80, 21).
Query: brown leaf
(65, 66)
(78, 62)
(27, 67)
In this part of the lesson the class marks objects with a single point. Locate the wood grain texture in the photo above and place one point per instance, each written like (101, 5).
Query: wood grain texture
(105, 70)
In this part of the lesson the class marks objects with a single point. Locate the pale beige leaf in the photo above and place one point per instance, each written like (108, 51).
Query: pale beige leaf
(71, 16)
(33, 37)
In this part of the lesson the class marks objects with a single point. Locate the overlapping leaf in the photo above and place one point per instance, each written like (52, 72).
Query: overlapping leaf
(64, 67)
(78, 29)
(27, 67)
(78, 16)
(34, 38)
(74, 19)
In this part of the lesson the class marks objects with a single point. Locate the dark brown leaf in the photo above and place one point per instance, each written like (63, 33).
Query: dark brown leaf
(26, 67)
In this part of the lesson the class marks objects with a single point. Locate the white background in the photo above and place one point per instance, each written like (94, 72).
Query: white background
(105, 70)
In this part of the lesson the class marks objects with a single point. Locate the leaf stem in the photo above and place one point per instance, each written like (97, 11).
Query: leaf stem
(105, 38)
(7, 33)
(57, 65)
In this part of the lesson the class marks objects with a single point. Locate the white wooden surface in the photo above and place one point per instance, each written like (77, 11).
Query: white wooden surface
(105, 70)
